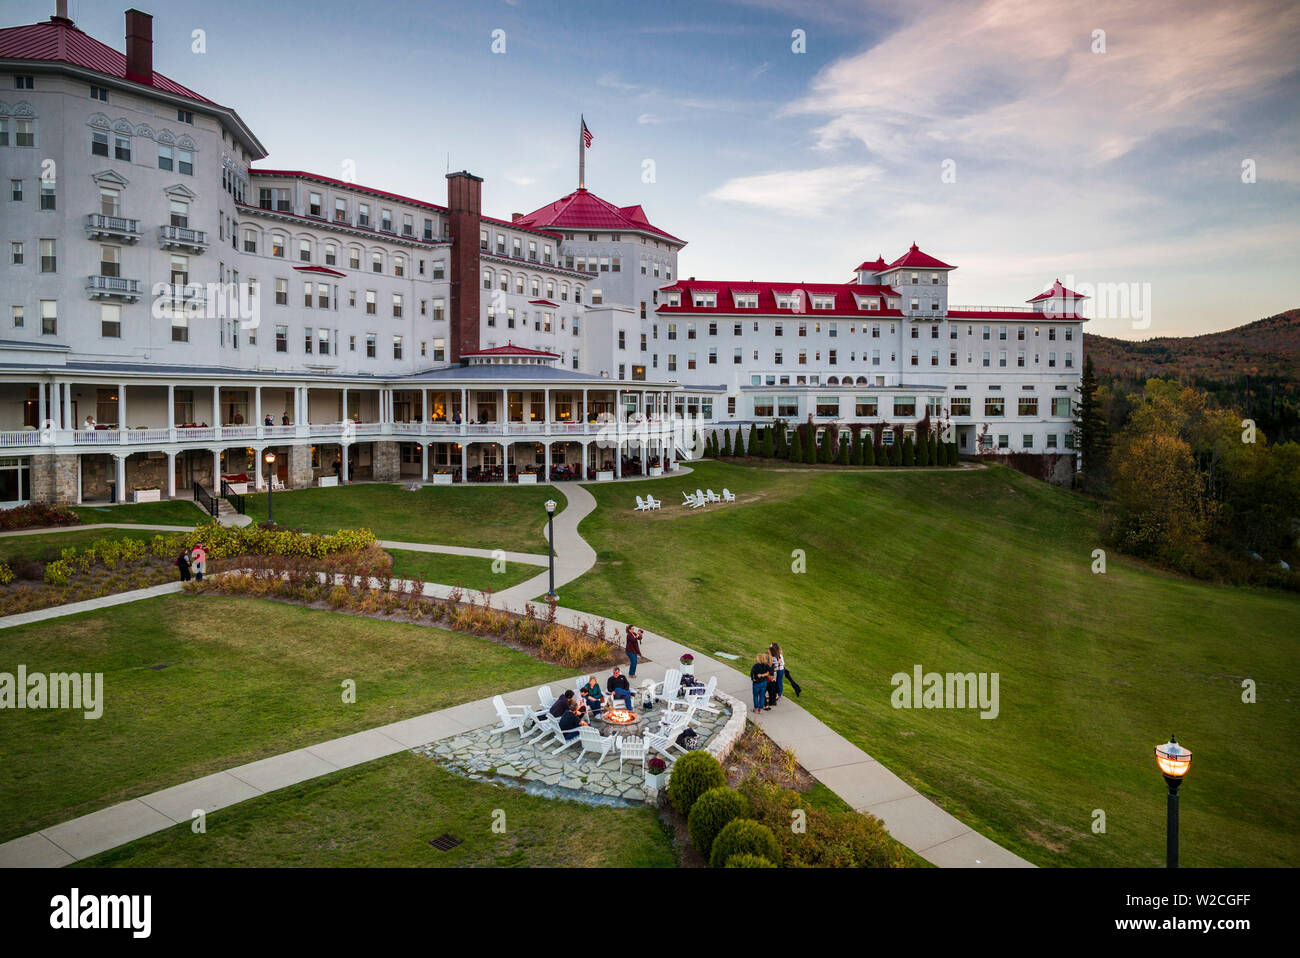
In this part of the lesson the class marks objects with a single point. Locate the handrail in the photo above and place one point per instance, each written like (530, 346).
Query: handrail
(205, 499)
(234, 498)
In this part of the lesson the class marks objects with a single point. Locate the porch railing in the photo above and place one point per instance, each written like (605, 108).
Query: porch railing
(206, 500)
(236, 499)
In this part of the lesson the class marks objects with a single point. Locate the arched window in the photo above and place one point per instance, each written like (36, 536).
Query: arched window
(354, 257)
(399, 265)
(331, 254)
(505, 282)
(376, 262)
(277, 244)
(487, 279)
(519, 284)
(304, 250)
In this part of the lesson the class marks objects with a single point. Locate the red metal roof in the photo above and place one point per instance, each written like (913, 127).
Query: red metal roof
(509, 349)
(846, 304)
(582, 209)
(543, 302)
(319, 269)
(60, 41)
(875, 267)
(1057, 290)
(915, 259)
(1028, 317)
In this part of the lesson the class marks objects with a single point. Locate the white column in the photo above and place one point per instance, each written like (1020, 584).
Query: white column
(120, 460)
(425, 416)
(257, 412)
(618, 456)
(171, 405)
(216, 472)
(424, 461)
(505, 462)
(546, 412)
(548, 460)
(121, 406)
(343, 454)
(40, 404)
(258, 484)
(464, 461)
(171, 475)
(56, 402)
(216, 405)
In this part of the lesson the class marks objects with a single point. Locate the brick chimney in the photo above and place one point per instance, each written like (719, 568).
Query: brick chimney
(139, 47)
(464, 205)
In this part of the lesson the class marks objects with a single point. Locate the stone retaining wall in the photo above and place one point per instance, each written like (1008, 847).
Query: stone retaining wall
(719, 745)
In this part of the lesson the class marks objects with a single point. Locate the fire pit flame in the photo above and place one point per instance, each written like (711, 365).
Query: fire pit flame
(619, 716)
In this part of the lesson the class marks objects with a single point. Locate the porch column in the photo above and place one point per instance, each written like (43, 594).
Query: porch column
(65, 407)
(216, 471)
(464, 408)
(424, 409)
(586, 467)
(503, 414)
(582, 414)
(40, 404)
(343, 454)
(216, 405)
(618, 456)
(464, 462)
(546, 412)
(121, 407)
(171, 405)
(257, 411)
(258, 484)
(505, 461)
(119, 459)
(548, 459)
(171, 475)
(424, 461)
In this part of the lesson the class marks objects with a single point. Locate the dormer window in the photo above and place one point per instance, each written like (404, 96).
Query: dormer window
(745, 300)
(788, 301)
(670, 299)
(823, 302)
(705, 300)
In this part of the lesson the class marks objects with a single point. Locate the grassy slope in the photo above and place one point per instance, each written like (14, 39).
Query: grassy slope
(173, 512)
(485, 517)
(244, 679)
(466, 571)
(984, 571)
(385, 813)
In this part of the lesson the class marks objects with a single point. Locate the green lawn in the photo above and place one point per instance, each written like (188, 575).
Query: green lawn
(984, 571)
(172, 512)
(483, 517)
(385, 813)
(240, 679)
(46, 546)
(468, 572)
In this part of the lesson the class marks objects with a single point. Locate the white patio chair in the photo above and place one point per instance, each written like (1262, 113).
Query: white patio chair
(667, 689)
(593, 741)
(662, 744)
(673, 722)
(652, 502)
(641, 505)
(712, 496)
(544, 730)
(701, 697)
(559, 734)
(277, 484)
(512, 717)
(688, 499)
(630, 750)
(700, 496)
(728, 495)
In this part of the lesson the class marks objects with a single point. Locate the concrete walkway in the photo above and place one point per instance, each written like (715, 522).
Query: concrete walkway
(847, 770)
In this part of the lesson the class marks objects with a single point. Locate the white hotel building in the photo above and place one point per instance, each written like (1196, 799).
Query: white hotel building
(171, 313)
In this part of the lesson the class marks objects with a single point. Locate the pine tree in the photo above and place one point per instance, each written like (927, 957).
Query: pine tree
(769, 443)
(855, 459)
(954, 457)
(896, 452)
(923, 451)
(868, 449)
(726, 444)
(752, 449)
(782, 449)
(934, 449)
(1092, 429)
(826, 448)
(810, 448)
(909, 452)
(846, 452)
(796, 448)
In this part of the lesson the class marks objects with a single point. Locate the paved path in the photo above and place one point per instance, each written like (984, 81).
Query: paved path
(851, 773)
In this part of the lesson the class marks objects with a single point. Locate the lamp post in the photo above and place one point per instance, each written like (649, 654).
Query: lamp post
(550, 541)
(270, 482)
(1173, 761)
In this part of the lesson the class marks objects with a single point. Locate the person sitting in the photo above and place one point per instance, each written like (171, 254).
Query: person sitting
(591, 695)
(561, 705)
(268, 421)
(618, 687)
(570, 721)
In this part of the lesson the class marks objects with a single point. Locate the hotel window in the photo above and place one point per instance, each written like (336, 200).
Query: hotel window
(386, 226)
(501, 244)
(16, 190)
(482, 239)
(408, 224)
(397, 347)
(914, 358)
(777, 358)
(934, 357)
(1069, 360)
(49, 317)
(323, 341)
(370, 302)
(1060, 405)
(439, 308)
(987, 330)
(110, 321)
(1069, 334)
(16, 312)
(823, 302)
(994, 406)
(47, 201)
(307, 340)
(952, 359)
(399, 266)
(866, 406)
(428, 231)
(110, 261)
(787, 406)
(121, 147)
(690, 330)
(1020, 358)
(370, 345)
(250, 241)
(49, 256)
(185, 164)
(1051, 333)
(98, 142)
(1020, 334)
(534, 286)
(672, 362)
(277, 246)
(518, 246)
(376, 262)
(959, 405)
(1027, 406)
(16, 254)
(1004, 441)
(282, 292)
(439, 348)
(875, 332)
(340, 211)
(987, 359)
(1002, 358)
(875, 357)
(1002, 332)
(764, 406)
(281, 339)
(1051, 441)
(1051, 360)
(331, 254)
(306, 294)
(363, 214)
(828, 406)
(904, 405)
(705, 300)
(322, 296)
(313, 204)
(397, 304)
(713, 356)
(690, 361)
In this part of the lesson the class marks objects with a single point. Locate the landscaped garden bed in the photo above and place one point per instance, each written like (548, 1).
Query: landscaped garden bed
(36, 515)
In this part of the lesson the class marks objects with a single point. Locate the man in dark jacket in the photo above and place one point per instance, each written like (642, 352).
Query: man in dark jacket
(561, 705)
(632, 645)
(570, 721)
(618, 687)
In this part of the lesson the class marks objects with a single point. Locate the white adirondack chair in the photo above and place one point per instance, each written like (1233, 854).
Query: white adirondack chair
(545, 729)
(652, 502)
(728, 495)
(642, 505)
(688, 499)
(667, 689)
(700, 497)
(674, 721)
(702, 697)
(712, 496)
(655, 741)
(559, 734)
(512, 717)
(593, 741)
(631, 749)
(277, 484)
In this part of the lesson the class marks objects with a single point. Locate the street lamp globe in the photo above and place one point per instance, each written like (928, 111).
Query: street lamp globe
(270, 458)
(1173, 760)
(550, 507)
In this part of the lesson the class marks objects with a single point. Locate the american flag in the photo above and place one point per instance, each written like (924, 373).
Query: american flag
(586, 135)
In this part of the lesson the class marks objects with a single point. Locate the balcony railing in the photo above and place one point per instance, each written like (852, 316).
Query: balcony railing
(180, 237)
(104, 287)
(117, 227)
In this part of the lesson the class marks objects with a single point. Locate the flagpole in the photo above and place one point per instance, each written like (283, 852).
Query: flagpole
(582, 154)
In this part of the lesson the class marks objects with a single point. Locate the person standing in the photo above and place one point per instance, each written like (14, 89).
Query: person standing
(632, 644)
(199, 561)
(759, 673)
(782, 673)
(183, 563)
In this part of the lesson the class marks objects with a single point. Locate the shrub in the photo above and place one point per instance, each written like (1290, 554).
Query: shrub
(827, 451)
(58, 572)
(36, 515)
(923, 452)
(6, 573)
(746, 860)
(846, 453)
(909, 452)
(693, 775)
(796, 448)
(868, 451)
(743, 836)
(711, 813)
(769, 444)
(829, 839)
(726, 444)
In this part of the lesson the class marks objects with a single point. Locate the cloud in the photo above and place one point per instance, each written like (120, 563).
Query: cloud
(649, 118)
(806, 192)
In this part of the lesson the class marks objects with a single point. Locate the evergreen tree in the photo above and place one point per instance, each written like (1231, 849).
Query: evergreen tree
(726, 444)
(868, 449)
(923, 451)
(954, 457)
(909, 452)
(810, 445)
(769, 443)
(752, 450)
(934, 449)
(896, 452)
(782, 448)
(846, 452)
(826, 452)
(796, 448)
(1092, 429)
(855, 458)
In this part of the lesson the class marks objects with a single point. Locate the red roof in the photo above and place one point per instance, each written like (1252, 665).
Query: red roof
(543, 302)
(509, 349)
(585, 210)
(1056, 291)
(58, 40)
(1027, 317)
(915, 259)
(319, 269)
(875, 267)
(846, 304)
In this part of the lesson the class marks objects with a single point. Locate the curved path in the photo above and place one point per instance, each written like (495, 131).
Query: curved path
(861, 781)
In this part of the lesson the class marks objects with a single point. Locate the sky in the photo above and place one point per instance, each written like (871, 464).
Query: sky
(1146, 154)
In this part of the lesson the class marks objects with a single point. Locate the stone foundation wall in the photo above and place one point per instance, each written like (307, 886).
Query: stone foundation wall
(54, 479)
(300, 471)
(387, 462)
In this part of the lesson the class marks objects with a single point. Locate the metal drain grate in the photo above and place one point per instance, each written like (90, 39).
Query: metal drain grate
(445, 843)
